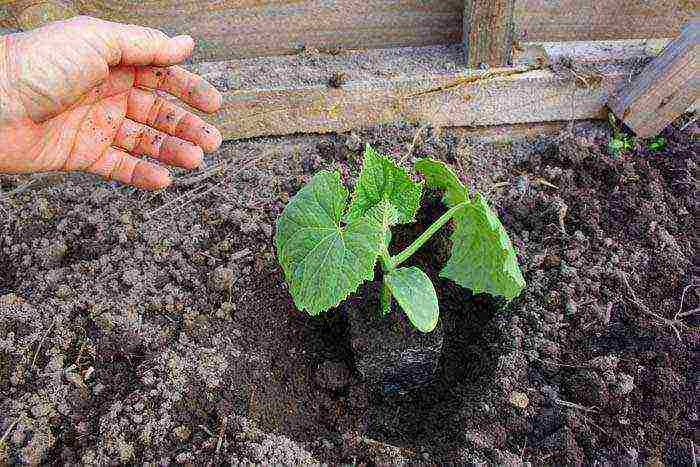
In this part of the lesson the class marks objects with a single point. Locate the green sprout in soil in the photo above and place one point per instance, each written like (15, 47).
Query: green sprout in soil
(620, 142)
(328, 248)
(656, 144)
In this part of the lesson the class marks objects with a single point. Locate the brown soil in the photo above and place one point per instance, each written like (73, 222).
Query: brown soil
(168, 336)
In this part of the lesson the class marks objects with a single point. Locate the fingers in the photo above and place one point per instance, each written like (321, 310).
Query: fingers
(136, 138)
(129, 44)
(180, 83)
(152, 110)
(116, 164)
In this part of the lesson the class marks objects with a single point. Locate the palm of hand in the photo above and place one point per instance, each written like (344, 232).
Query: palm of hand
(74, 111)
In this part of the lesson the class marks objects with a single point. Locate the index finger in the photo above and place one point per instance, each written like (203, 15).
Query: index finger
(178, 82)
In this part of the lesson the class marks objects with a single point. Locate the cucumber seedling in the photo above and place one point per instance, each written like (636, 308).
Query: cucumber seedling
(328, 248)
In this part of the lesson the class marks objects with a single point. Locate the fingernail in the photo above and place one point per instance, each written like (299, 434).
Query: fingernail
(183, 41)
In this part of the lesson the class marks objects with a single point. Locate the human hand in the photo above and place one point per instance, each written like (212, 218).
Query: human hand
(78, 95)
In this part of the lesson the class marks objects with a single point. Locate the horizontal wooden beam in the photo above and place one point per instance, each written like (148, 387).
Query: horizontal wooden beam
(228, 29)
(664, 89)
(470, 98)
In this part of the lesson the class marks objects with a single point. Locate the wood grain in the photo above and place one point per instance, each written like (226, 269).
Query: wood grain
(488, 32)
(473, 98)
(247, 28)
(594, 20)
(665, 89)
(227, 29)
(477, 98)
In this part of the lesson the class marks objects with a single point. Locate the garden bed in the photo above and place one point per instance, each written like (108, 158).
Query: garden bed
(157, 326)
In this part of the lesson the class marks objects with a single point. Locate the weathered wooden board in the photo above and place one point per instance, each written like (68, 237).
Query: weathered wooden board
(665, 88)
(595, 20)
(456, 99)
(488, 32)
(245, 28)
(460, 99)
(227, 29)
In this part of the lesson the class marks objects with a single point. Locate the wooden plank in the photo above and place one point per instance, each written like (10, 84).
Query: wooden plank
(665, 88)
(452, 99)
(30, 14)
(596, 20)
(228, 29)
(488, 32)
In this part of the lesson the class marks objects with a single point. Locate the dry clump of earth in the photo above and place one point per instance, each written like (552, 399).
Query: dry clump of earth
(156, 327)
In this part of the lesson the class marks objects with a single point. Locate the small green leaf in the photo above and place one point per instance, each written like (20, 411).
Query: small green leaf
(416, 295)
(382, 180)
(657, 144)
(441, 176)
(483, 258)
(324, 261)
(616, 144)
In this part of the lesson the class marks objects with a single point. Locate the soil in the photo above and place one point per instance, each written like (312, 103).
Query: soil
(156, 327)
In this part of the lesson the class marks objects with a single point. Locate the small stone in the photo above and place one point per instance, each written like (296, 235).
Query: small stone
(625, 384)
(10, 299)
(553, 298)
(63, 291)
(519, 399)
(224, 246)
(552, 261)
(182, 432)
(221, 278)
(225, 311)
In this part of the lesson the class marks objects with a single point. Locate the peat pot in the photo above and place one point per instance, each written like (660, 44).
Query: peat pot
(389, 352)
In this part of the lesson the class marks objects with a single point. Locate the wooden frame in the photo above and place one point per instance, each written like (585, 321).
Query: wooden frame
(531, 91)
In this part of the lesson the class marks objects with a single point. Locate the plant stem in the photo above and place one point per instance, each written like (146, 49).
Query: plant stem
(425, 236)
(384, 300)
(387, 265)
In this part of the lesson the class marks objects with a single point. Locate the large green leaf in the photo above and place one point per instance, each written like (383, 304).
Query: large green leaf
(416, 295)
(382, 180)
(324, 261)
(483, 258)
(441, 176)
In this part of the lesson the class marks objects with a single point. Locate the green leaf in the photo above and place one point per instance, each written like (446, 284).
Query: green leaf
(324, 261)
(441, 176)
(483, 258)
(657, 143)
(386, 216)
(416, 295)
(382, 180)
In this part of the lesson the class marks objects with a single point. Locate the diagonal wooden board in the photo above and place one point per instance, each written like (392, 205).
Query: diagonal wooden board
(458, 99)
(664, 89)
